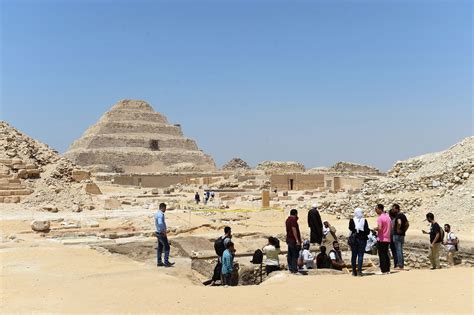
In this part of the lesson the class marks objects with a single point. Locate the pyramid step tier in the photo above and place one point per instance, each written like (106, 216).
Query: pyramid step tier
(129, 127)
(149, 141)
(134, 115)
(139, 159)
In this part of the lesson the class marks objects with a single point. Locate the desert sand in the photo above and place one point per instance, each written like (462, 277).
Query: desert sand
(41, 275)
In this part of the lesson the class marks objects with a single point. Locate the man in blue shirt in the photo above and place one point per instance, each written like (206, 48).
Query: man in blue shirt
(163, 243)
(228, 263)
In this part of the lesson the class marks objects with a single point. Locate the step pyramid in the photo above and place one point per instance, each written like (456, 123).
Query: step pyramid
(132, 138)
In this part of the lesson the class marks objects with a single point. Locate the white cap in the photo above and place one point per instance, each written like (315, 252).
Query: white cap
(315, 205)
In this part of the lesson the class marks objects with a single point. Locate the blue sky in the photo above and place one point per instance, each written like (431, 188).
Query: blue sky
(313, 81)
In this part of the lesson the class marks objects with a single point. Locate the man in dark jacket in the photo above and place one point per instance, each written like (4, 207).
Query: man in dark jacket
(315, 225)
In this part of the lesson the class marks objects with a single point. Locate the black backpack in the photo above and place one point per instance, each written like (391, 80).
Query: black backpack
(219, 246)
(257, 257)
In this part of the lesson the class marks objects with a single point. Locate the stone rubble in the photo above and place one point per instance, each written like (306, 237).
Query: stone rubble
(433, 182)
(236, 164)
(36, 175)
(281, 167)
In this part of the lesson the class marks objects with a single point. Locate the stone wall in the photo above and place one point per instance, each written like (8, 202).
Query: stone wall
(299, 181)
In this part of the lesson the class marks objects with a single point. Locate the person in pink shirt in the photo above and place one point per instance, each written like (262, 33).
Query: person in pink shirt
(383, 230)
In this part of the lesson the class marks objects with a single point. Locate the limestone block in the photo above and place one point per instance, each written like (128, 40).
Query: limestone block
(265, 199)
(50, 208)
(92, 188)
(23, 173)
(80, 175)
(76, 208)
(11, 199)
(40, 226)
(112, 204)
(33, 173)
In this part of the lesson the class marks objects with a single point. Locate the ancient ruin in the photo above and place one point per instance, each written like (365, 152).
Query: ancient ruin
(133, 138)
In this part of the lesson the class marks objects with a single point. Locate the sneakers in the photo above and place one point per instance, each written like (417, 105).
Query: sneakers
(160, 264)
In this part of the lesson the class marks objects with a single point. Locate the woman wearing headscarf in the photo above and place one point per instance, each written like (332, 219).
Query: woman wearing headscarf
(360, 229)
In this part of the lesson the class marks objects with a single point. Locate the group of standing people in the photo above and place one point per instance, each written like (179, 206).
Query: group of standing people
(388, 234)
(299, 254)
(208, 195)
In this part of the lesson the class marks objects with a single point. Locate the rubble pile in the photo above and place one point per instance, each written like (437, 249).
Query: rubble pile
(236, 164)
(35, 174)
(353, 168)
(434, 182)
(272, 167)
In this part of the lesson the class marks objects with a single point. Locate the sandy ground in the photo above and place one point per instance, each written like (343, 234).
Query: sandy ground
(55, 278)
(39, 275)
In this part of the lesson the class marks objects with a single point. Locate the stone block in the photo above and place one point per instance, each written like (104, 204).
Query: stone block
(265, 199)
(92, 188)
(11, 199)
(33, 173)
(50, 208)
(112, 204)
(16, 161)
(80, 175)
(23, 173)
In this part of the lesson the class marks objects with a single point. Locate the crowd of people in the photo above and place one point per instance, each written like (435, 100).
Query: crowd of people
(387, 236)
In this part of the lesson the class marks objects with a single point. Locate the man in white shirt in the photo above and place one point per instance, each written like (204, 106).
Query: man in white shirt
(451, 244)
(271, 251)
(306, 258)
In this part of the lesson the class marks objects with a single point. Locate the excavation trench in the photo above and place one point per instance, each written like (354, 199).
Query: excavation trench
(196, 258)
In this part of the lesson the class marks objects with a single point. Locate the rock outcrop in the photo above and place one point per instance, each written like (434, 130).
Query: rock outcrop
(133, 138)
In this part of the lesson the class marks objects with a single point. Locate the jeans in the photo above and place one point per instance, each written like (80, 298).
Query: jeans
(292, 256)
(393, 249)
(398, 241)
(162, 243)
(358, 251)
(226, 279)
(384, 258)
